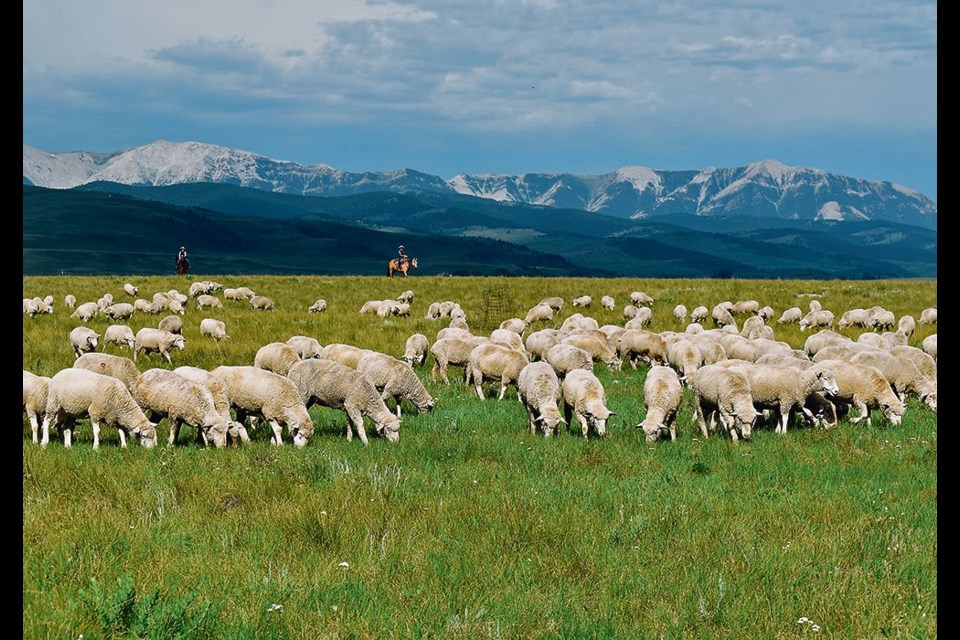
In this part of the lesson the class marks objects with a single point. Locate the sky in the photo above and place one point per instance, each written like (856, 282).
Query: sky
(495, 86)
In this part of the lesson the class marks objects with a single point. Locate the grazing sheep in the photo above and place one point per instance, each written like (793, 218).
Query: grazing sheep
(680, 313)
(131, 290)
(744, 307)
(204, 286)
(156, 340)
(786, 389)
(119, 311)
(840, 351)
(395, 379)
(171, 323)
(722, 317)
(538, 313)
(141, 305)
(630, 311)
(208, 301)
(175, 306)
(336, 386)
(247, 292)
(662, 395)
(35, 400)
(495, 362)
(237, 295)
(406, 296)
(86, 311)
(640, 345)
(643, 318)
(508, 338)
(822, 339)
(819, 318)
(264, 394)
(607, 302)
(318, 307)
(35, 306)
(922, 360)
(685, 357)
(221, 401)
(167, 394)
(78, 393)
(453, 351)
(70, 301)
(119, 334)
(784, 360)
(582, 301)
(902, 374)
(927, 316)
(710, 350)
(454, 332)
(539, 342)
(516, 325)
(401, 309)
(345, 354)
(555, 303)
(415, 349)
(565, 358)
(693, 329)
(459, 323)
(791, 315)
(539, 390)
(277, 357)
(699, 314)
(863, 387)
(906, 326)
(306, 347)
(639, 298)
(598, 349)
(723, 391)
(766, 313)
(584, 395)
(854, 318)
(815, 305)
(578, 321)
(386, 308)
(216, 329)
(105, 301)
(880, 318)
(119, 367)
(433, 311)
(261, 303)
(83, 340)
(930, 346)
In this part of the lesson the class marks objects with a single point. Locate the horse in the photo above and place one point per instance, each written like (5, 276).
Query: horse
(394, 265)
(183, 265)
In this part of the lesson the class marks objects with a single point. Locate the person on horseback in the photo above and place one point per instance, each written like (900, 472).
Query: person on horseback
(401, 256)
(183, 265)
(182, 255)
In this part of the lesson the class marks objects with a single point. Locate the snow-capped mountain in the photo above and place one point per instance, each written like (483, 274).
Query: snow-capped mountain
(766, 188)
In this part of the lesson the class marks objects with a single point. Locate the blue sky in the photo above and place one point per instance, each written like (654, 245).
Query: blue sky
(509, 86)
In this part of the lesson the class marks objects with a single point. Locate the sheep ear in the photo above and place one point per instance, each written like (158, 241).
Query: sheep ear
(611, 414)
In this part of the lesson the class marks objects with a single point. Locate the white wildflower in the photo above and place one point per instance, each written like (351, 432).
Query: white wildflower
(344, 565)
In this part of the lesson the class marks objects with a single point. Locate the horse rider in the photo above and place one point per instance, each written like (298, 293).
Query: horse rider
(182, 255)
(401, 256)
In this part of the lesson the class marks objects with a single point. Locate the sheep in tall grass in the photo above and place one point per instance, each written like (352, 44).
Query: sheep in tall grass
(554, 302)
(120, 335)
(744, 307)
(927, 316)
(86, 312)
(171, 323)
(206, 301)
(565, 358)
(415, 349)
(345, 354)
(642, 319)
(495, 362)
(641, 299)
(906, 325)
(306, 346)
(167, 394)
(685, 357)
(263, 394)
(662, 395)
(538, 313)
(35, 400)
(318, 307)
(902, 374)
(395, 379)
(119, 311)
(261, 303)
(277, 357)
(516, 325)
(221, 401)
(607, 302)
(930, 346)
(638, 345)
(83, 340)
(406, 296)
(453, 351)
(539, 342)
(159, 341)
(70, 300)
(680, 313)
(791, 315)
(539, 390)
(718, 390)
(582, 301)
(119, 367)
(213, 328)
(699, 314)
(786, 389)
(598, 349)
(585, 397)
(131, 290)
(863, 387)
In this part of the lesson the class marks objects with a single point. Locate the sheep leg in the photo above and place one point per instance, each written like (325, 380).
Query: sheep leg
(45, 439)
(277, 440)
(864, 413)
(433, 373)
(478, 381)
(701, 418)
(531, 420)
(166, 354)
(96, 435)
(174, 430)
(503, 389)
(584, 425)
(67, 434)
(34, 427)
(356, 418)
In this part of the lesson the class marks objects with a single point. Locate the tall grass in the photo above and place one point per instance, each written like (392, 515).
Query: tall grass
(469, 526)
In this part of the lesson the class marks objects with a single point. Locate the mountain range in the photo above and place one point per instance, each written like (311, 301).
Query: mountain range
(767, 189)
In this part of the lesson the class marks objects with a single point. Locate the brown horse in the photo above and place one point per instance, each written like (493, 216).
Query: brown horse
(183, 265)
(394, 265)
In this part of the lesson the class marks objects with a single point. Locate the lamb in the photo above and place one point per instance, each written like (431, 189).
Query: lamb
(516, 325)
(120, 335)
(865, 388)
(406, 296)
(639, 345)
(662, 395)
(607, 302)
(149, 340)
(854, 318)
(791, 315)
(433, 311)
(786, 389)
(496, 362)
(78, 393)
(699, 314)
(815, 305)
(743, 307)
(208, 301)
(584, 395)
(722, 316)
(680, 313)
(70, 301)
(539, 390)
(452, 351)
(386, 308)
(395, 379)
(766, 313)
(902, 374)
(639, 298)
(565, 358)
(171, 323)
(644, 318)
(318, 307)
(685, 357)
(718, 389)
(131, 290)
(83, 340)
(598, 349)
(86, 311)
(820, 318)
(264, 394)
(216, 329)
(236, 295)
(582, 301)
(538, 313)
(141, 305)
(402, 310)
(415, 349)
(35, 400)
(630, 311)
(346, 354)
(927, 316)
(555, 303)
(277, 357)
(906, 326)
(306, 347)
(261, 303)
(167, 394)
(221, 401)
(539, 342)
(930, 346)
(331, 384)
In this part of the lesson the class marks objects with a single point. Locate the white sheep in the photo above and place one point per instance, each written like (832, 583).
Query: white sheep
(156, 340)
(685, 357)
(205, 301)
(216, 329)
(83, 340)
(539, 342)
(922, 360)
(415, 349)
(336, 386)
(516, 325)
(662, 395)
(175, 306)
(639, 298)
(496, 362)
(584, 395)
(454, 332)
(579, 321)
(598, 349)
(453, 351)
(401, 309)
(743, 307)
(433, 311)
(171, 323)
(766, 312)
(131, 290)
(699, 314)
(406, 296)
(119, 334)
(221, 401)
(880, 318)
(35, 400)
(318, 307)
(246, 292)
(906, 325)
(927, 316)
(607, 302)
(643, 318)
(902, 374)
(613, 333)
(277, 357)
(386, 308)
(539, 390)
(719, 390)
(819, 318)
(865, 388)
(237, 295)
(815, 305)
(270, 396)
(508, 338)
(680, 313)
(721, 316)
(565, 358)
(261, 303)
(167, 394)
(459, 323)
(582, 301)
(395, 379)
(710, 349)
(141, 305)
(539, 313)
(30, 307)
(630, 311)
(554, 302)
(346, 354)
(639, 345)
(791, 315)
(119, 311)
(105, 301)
(119, 367)
(786, 389)
(78, 393)
(693, 328)
(70, 301)
(930, 345)
(306, 346)
(86, 311)
(822, 339)
(854, 318)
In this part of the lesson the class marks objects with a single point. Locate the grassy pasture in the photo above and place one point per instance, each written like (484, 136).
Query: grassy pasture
(469, 527)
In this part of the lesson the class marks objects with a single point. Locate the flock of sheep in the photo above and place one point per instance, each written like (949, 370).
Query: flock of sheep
(736, 373)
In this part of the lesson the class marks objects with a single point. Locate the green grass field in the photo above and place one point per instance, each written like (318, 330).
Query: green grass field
(470, 527)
